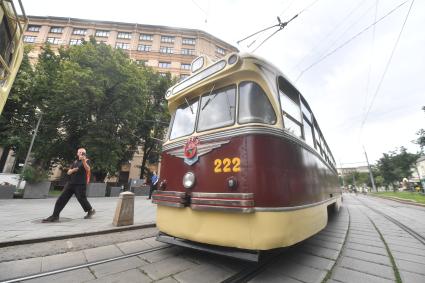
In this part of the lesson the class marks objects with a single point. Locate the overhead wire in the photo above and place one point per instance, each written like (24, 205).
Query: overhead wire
(349, 40)
(280, 25)
(387, 66)
(337, 26)
(370, 61)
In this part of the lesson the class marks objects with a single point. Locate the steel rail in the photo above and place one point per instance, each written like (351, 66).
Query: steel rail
(410, 231)
(62, 270)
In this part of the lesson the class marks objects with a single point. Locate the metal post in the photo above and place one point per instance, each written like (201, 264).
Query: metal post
(29, 150)
(370, 171)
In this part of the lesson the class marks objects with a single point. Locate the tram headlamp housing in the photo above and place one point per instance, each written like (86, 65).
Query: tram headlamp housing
(232, 183)
(197, 64)
(189, 180)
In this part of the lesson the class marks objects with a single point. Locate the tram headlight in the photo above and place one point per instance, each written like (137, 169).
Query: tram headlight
(188, 180)
(232, 182)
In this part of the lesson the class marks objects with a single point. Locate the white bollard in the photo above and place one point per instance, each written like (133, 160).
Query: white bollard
(124, 213)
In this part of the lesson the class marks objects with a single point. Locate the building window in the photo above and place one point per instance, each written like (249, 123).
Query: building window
(167, 39)
(33, 28)
(144, 48)
(56, 29)
(162, 74)
(146, 37)
(189, 41)
(220, 50)
(141, 62)
(165, 49)
(79, 31)
(101, 42)
(53, 40)
(124, 35)
(164, 64)
(102, 33)
(185, 66)
(29, 39)
(122, 45)
(186, 51)
(75, 42)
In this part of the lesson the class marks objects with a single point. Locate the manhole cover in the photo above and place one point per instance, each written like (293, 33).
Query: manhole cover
(61, 220)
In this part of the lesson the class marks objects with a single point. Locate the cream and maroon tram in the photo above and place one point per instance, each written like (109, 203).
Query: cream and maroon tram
(244, 164)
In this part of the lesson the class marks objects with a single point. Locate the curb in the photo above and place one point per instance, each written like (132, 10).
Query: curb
(400, 200)
(76, 235)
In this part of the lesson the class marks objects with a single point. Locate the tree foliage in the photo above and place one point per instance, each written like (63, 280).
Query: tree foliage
(396, 165)
(91, 96)
(421, 136)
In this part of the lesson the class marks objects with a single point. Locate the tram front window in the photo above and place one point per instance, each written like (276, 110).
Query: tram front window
(184, 119)
(217, 109)
(254, 106)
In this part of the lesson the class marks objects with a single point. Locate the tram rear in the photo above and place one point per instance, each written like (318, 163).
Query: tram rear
(11, 45)
(245, 164)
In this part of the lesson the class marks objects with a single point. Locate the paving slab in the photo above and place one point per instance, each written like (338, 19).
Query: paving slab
(117, 266)
(74, 276)
(133, 246)
(205, 273)
(166, 267)
(16, 223)
(132, 275)
(20, 268)
(100, 253)
(376, 269)
(351, 276)
(369, 257)
(54, 262)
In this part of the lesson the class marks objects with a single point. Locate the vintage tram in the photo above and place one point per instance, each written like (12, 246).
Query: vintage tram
(12, 29)
(244, 164)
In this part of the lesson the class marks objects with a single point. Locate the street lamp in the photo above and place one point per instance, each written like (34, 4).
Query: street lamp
(30, 148)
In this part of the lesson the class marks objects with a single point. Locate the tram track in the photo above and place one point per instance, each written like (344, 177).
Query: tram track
(407, 229)
(75, 267)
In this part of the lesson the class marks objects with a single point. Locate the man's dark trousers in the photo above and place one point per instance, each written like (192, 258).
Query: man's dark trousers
(80, 192)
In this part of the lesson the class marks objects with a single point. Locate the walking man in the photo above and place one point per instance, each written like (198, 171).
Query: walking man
(79, 176)
(154, 183)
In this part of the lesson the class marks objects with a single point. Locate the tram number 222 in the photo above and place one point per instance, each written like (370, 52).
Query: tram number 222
(227, 165)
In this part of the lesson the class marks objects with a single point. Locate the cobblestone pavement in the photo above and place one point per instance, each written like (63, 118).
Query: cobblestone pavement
(358, 245)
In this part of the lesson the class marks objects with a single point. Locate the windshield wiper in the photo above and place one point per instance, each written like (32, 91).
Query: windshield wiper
(190, 106)
(209, 99)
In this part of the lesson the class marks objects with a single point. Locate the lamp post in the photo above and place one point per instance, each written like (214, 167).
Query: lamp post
(29, 149)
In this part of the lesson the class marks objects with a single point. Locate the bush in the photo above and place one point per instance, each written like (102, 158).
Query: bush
(34, 175)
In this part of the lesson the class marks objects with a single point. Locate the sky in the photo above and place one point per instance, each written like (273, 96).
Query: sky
(365, 83)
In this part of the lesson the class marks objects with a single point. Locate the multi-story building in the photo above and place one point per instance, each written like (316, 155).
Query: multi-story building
(165, 49)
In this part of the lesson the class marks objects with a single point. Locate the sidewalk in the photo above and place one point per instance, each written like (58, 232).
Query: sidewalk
(20, 219)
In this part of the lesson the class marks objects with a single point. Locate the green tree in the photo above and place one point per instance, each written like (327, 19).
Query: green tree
(421, 136)
(18, 119)
(396, 165)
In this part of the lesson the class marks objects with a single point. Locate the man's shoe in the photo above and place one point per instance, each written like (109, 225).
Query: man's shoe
(51, 219)
(90, 214)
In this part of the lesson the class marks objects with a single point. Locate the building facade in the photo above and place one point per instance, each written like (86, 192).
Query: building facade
(165, 49)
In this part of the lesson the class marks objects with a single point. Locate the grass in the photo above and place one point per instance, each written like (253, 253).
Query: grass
(412, 196)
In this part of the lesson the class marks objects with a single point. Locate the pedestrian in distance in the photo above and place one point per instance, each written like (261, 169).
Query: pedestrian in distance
(79, 174)
(154, 184)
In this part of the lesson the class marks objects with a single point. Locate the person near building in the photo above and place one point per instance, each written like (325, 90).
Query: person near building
(79, 174)
(154, 184)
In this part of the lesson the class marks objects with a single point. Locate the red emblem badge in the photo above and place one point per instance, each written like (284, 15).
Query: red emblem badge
(190, 148)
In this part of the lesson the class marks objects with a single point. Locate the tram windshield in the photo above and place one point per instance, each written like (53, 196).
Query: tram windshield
(254, 106)
(217, 109)
(184, 119)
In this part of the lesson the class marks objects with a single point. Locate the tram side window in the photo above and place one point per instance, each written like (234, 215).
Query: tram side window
(254, 106)
(5, 39)
(308, 133)
(184, 119)
(217, 109)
